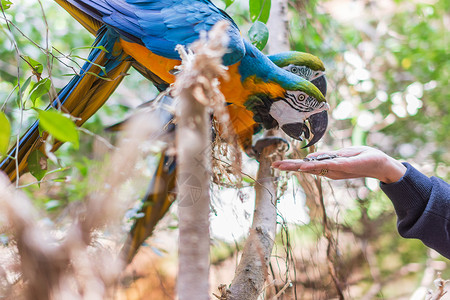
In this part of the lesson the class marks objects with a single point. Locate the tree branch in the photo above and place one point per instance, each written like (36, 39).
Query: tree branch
(278, 25)
(196, 88)
(252, 270)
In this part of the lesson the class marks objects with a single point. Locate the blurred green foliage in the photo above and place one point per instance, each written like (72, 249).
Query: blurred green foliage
(259, 10)
(388, 71)
(388, 65)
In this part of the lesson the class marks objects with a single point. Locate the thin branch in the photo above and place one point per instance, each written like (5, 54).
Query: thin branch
(16, 47)
(37, 45)
(331, 247)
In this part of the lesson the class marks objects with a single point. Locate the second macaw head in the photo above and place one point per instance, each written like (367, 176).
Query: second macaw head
(298, 106)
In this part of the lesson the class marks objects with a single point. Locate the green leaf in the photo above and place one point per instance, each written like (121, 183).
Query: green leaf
(40, 88)
(25, 91)
(258, 35)
(247, 179)
(5, 132)
(34, 64)
(6, 4)
(228, 3)
(25, 84)
(37, 164)
(59, 126)
(91, 62)
(259, 10)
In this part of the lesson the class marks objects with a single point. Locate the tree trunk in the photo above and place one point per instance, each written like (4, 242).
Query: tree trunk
(251, 272)
(193, 136)
(278, 25)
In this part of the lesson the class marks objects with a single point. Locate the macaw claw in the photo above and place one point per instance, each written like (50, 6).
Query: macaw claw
(265, 142)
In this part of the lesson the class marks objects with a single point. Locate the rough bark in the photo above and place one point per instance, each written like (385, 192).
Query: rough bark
(251, 272)
(193, 193)
(196, 90)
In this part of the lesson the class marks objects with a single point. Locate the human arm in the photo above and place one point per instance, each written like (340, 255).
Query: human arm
(422, 204)
(352, 162)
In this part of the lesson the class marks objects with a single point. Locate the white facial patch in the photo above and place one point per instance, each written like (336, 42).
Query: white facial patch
(317, 74)
(304, 72)
(285, 114)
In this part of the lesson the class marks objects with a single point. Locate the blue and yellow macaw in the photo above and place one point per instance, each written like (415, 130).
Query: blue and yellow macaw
(149, 31)
(162, 190)
(259, 92)
(144, 34)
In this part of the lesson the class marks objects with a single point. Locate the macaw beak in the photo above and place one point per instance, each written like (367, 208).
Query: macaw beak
(318, 126)
(317, 123)
(296, 130)
(321, 83)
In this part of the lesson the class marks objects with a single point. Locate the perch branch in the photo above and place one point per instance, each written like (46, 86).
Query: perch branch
(251, 272)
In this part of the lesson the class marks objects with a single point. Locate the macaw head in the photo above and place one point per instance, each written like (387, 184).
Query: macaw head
(303, 64)
(302, 102)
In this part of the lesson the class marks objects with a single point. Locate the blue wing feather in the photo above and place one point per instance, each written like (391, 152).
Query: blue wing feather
(162, 24)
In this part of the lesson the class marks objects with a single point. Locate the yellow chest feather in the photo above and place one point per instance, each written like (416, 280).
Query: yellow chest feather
(159, 65)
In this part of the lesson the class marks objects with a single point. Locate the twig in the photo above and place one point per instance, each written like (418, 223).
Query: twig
(16, 47)
(98, 137)
(331, 242)
(288, 284)
(37, 45)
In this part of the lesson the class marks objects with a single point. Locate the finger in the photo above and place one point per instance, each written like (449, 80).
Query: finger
(315, 154)
(318, 172)
(334, 175)
(339, 164)
(289, 166)
(344, 152)
(350, 151)
(313, 166)
(336, 164)
(276, 164)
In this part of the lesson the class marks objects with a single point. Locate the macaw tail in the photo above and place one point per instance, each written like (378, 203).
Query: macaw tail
(88, 22)
(155, 204)
(92, 24)
(81, 97)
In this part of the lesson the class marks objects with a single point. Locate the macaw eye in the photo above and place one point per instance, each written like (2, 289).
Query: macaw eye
(294, 70)
(301, 97)
(316, 74)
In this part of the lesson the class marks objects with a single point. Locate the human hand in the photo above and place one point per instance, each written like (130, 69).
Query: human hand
(352, 162)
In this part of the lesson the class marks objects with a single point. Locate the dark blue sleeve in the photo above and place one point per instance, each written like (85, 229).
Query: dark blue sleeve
(422, 205)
